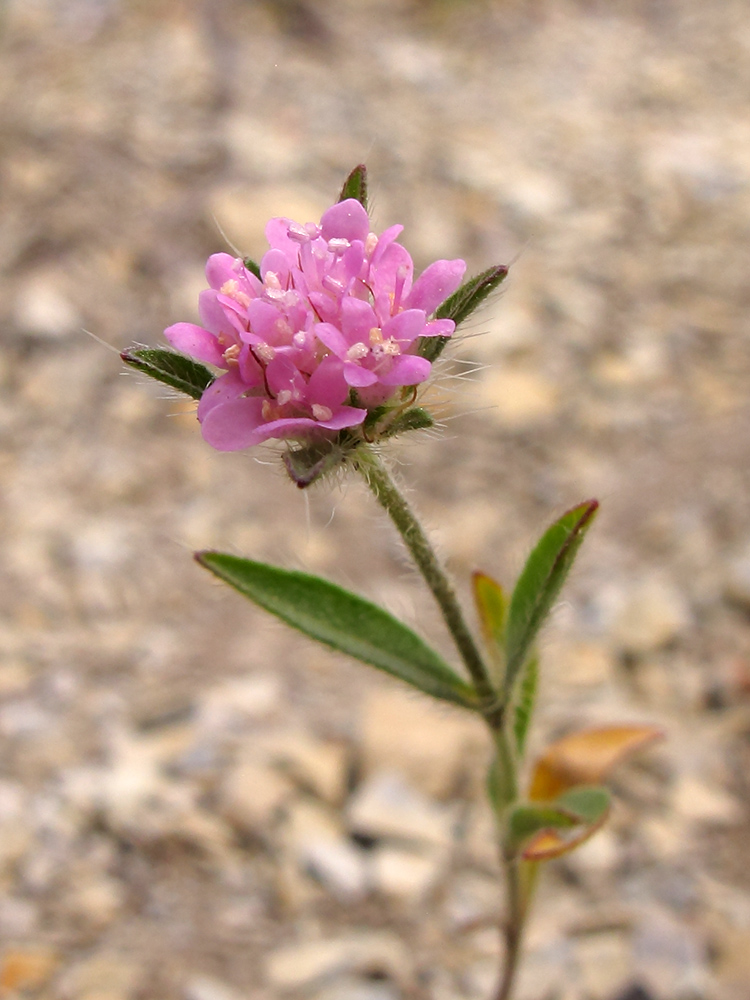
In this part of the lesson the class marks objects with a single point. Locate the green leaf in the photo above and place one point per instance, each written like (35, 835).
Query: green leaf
(461, 305)
(589, 802)
(355, 186)
(172, 369)
(492, 609)
(526, 820)
(580, 811)
(252, 266)
(344, 621)
(539, 585)
(527, 689)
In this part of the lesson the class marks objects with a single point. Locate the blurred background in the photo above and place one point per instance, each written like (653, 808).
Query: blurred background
(195, 803)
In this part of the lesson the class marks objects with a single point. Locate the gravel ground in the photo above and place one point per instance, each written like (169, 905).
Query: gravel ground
(195, 804)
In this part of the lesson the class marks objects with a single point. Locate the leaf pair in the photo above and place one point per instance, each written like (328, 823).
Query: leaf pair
(567, 804)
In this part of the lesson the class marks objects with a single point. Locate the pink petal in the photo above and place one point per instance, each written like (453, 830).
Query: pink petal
(406, 326)
(218, 319)
(276, 261)
(345, 221)
(408, 369)
(357, 376)
(435, 284)
(220, 268)
(233, 425)
(332, 338)
(282, 374)
(384, 241)
(225, 387)
(357, 319)
(346, 416)
(197, 342)
(439, 328)
(327, 385)
(277, 234)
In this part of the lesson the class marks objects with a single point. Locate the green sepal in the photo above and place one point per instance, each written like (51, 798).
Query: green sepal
(252, 266)
(414, 419)
(175, 370)
(345, 621)
(460, 305)
(309, 463)
(539, 585)
(355, 186)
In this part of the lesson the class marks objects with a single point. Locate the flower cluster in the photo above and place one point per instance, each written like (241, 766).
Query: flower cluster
(327, 331)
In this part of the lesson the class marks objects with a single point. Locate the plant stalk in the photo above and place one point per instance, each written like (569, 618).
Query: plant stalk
(380, 481)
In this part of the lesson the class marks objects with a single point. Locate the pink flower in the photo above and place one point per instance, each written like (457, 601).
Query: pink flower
(327, 331)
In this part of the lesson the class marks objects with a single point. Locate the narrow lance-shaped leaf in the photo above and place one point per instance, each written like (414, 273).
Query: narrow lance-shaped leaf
(460, 305)
(526, 699)
(172, 369)
(344, 621)
(540, 583)
(355, 186)
(492, 610)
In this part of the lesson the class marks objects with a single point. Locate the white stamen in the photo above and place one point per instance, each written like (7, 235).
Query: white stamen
(231, 354)
(265, 352)
(298, 233)
(370, 243)
(271, 280)
(284, 397)
(376, 336)
(321, 412)
(357, 351)
(299, 339)
(338, 245)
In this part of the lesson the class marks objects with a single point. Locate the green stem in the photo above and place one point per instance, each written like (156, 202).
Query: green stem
(381, 483)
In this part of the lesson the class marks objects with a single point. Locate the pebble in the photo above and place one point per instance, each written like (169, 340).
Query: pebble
(311, 963)
(518, 399)
(42, 310)
(251, 796)
(314, 838)
(103, 976)
(604, 963)
(318, 767)
(385, 805)
(207, 988)
(652, 613)
(432, 747)
(472, 899)
(699, 802)
(26, 969)
(669, 958)
(407, 876)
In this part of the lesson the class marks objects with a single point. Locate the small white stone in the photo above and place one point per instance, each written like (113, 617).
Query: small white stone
(651, 614)
(251, 796)
(311, 963)
(406, 875)
(41, 309)
(339, 866)
(702, 803)
(605, 964)
(386, 806)
(207, 988)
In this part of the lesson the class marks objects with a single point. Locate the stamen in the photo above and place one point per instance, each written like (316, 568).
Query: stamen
(232, 354)
(265, 352)
(321, 412)
(357, 351)
(370, 243)
(284, 397)
(376, 336)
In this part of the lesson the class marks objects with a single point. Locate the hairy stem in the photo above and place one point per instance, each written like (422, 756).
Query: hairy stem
(380, 481)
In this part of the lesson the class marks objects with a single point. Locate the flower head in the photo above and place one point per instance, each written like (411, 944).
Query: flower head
(328, 331)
